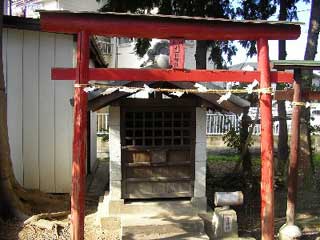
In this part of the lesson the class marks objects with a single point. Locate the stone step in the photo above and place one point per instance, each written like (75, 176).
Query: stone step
(156, 208)
(172, 236)
(162, 227)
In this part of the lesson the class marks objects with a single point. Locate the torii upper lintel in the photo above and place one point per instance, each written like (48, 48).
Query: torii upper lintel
(166, 27)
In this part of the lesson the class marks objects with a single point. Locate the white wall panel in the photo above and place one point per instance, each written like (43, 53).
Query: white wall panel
(14, 93)
(46, 113)
(39, 110)
(63, 91)
(30, 116)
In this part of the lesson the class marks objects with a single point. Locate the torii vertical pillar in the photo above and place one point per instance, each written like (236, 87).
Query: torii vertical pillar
(294, 150)
(267, 165)
(79, 138)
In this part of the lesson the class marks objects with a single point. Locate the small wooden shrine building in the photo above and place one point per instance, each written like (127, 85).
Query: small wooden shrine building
(168, 27)
(158, 144)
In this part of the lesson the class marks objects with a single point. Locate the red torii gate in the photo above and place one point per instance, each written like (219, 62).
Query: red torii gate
(85, 24)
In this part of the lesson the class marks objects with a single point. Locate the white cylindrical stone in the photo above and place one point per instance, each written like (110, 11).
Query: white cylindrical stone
(289, 232)
(228, 198)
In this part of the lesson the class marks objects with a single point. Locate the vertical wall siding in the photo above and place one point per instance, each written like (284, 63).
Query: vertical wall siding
(63, 91)
(46, 113)
(30, 113)
(39, 111)
(15, 99)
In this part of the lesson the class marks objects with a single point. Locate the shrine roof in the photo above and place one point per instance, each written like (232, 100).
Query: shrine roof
(296, 64)
(234, 104)
(167, 26)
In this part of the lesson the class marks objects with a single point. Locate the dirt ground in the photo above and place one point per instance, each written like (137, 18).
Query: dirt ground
(96, 185)
(219, 178)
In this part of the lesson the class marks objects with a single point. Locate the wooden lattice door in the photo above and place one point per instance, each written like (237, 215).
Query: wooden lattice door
(158, 152)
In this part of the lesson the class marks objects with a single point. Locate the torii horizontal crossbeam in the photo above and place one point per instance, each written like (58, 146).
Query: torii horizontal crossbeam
(173, 75)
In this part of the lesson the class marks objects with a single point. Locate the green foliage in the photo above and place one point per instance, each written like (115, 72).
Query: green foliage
(218, 48)
(316, 159)
(142, 46)
(252, 10)
(263, 10)
(223, 158)
(232, 139)
(234, 158)
(133, 6)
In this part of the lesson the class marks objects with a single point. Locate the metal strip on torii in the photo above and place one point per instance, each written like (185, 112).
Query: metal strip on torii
(85, 24)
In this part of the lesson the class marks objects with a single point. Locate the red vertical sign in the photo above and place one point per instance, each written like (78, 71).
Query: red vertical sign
(177, 53)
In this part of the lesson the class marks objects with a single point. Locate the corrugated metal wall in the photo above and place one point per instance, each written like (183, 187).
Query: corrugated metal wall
(39, 112)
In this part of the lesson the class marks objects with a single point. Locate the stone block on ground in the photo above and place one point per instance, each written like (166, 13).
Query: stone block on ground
(224, 223)
(111, 223)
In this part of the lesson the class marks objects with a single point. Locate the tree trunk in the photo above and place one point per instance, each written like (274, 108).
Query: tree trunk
(283, 148)
(10, 204)
(305, 139)
(201, 55)
(245, 153)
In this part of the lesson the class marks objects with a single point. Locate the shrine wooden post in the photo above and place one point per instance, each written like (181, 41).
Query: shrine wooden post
(79, 138)
(267, 165)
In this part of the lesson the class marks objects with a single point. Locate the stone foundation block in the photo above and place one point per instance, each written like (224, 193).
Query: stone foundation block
(201, 152)
(114, 135)
(115, 171)
(115, 190)
(201, 125)
(115, 152)
(200, 203)
(200, 179)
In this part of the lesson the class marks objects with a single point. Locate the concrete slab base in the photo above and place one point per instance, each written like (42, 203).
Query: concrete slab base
(151, 219)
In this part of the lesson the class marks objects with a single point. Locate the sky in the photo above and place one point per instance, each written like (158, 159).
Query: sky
(295, 48)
